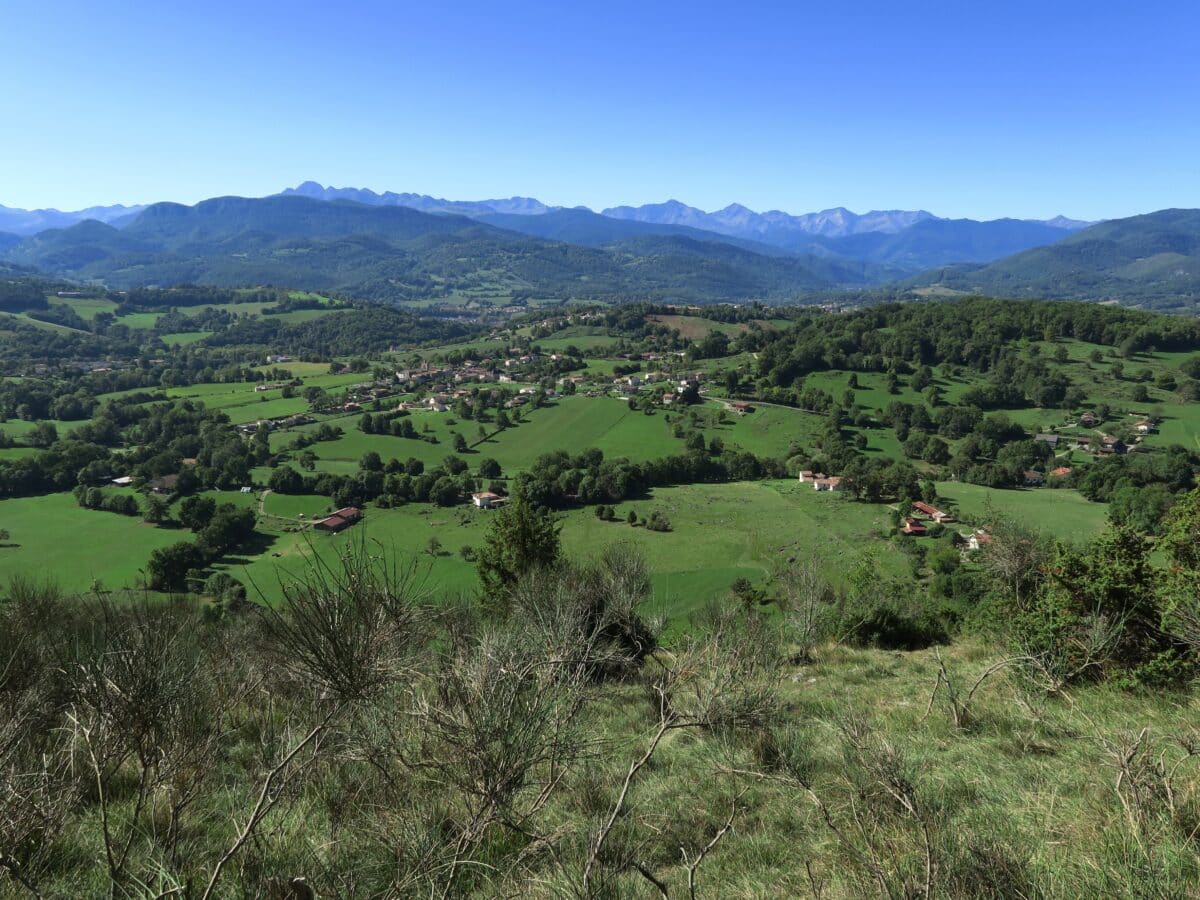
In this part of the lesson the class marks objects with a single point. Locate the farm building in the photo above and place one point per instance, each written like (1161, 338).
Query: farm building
(487, 500)
(1032, 478)
(932, 512)
(164, 484)
(912, 527)
(343, 518)
(827, 484)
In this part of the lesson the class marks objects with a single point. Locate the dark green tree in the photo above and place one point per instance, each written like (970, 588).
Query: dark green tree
(521, 537)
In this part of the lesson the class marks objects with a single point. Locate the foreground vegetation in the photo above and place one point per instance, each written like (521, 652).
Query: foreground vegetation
(373, 739)
(586, 626)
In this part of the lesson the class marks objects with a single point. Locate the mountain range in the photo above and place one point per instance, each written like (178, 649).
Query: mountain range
(1153, 258)
(773, 227)
(396, 253)
(524, 206)
(30, 221)
(398, 247)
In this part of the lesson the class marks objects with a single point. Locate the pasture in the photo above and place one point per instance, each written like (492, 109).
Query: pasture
(719, 533)
(1064, 514)
(52, 536)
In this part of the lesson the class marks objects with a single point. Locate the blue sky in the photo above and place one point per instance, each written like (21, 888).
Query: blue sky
(964, 108)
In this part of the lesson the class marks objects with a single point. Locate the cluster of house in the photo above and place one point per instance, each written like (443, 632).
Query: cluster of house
(632, 384)
(77, 365)
(357, 395)
(440, 402)
(1104, 445)
(914, 524)
(501, 369)
(276, 423)
(820, 481)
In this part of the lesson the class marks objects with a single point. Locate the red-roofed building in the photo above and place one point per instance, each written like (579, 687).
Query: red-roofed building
(932, 512)
(1060, 472)
(913, 527)
(343, 518)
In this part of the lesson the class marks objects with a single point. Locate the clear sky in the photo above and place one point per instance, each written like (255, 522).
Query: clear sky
(964, 108)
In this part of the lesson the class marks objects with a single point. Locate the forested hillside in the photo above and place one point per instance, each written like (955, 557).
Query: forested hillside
(1151, 260)
(393, 253)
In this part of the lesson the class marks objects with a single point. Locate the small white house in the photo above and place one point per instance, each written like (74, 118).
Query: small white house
(486, 499)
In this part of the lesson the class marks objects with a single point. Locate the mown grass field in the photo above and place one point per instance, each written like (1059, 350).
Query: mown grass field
(87, 308)
(768, 431)
(719, 533)
(53, 537)
(1063, 513)
(573, 424)
(184, 338)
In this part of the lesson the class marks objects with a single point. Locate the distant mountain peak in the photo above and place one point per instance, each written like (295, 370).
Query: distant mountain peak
(30, 221)
(513, 205)
(775, 226)
(1068, 224)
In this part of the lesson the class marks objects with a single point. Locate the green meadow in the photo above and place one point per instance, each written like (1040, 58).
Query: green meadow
(1064, 514)
(719, 533)
(53, 537)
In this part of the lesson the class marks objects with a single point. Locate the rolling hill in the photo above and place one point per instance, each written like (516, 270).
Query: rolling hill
(937, 242)
(30, 221)
(586, 228)
(512, 206)
(1151, 260)
(396, 253)
(774, 227)
(903, 241)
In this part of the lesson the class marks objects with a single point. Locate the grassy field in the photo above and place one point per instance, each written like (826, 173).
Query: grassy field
(1065, 514)
(720, 533)
(768, 431)
(584, 342)
(86, 308)
(725, 531)
(184, 338)
(23, 319)
(573, 424)
(140, 319)
(18, 428)
(53, 537)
